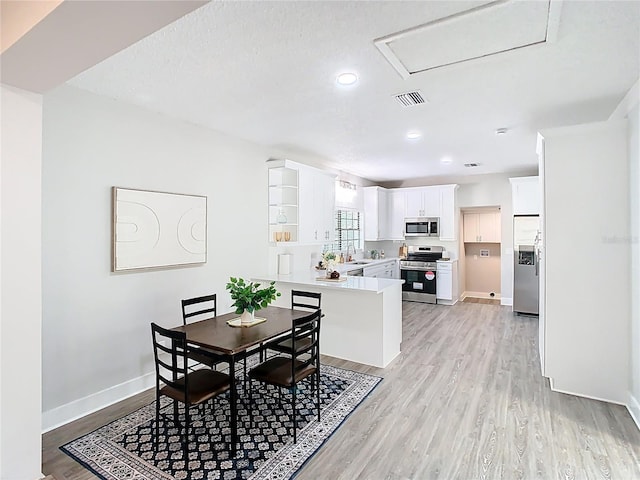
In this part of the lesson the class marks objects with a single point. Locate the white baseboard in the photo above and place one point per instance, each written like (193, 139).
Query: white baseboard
(480, 295)
(554, 387)
(58, 416)
(634, 409)
(506, 301)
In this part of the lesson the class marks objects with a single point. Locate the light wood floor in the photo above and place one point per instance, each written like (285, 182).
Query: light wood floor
(489, 301)
(464, 400)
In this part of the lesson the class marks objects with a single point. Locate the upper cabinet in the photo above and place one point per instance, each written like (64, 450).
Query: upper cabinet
(386, 209)
(317, 205)
(526, 193)
(397, 202)
(482, 227)
(422, 202)
(301, 203)
(376, 213)
(448, 212)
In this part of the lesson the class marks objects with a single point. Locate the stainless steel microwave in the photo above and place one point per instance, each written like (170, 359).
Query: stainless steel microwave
(422, 227)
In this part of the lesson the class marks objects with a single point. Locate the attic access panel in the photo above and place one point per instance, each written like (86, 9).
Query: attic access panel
(489, 29)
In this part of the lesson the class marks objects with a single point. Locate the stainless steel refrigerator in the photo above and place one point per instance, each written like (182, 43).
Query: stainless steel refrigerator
(526, 274)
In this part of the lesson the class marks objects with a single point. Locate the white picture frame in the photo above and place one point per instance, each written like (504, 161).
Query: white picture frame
(153, 229)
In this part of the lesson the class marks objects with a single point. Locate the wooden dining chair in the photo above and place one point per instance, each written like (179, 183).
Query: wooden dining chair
(174, 380)
(288, 372)
(300, 300)
(195, 309)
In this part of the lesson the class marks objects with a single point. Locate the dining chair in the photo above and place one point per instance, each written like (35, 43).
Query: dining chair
(300, 300)
(174, 380)
(200, 308)
(287, 372)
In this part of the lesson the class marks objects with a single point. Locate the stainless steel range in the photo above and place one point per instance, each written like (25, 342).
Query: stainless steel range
(419, 273)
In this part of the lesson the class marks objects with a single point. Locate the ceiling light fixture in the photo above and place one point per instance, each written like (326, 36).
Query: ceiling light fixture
(446, 160)
(501, 131)
(413, 135)
(346, 79)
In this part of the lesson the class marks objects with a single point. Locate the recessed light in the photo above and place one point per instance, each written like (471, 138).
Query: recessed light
(347, 78)
(414, 134)
(446, 160)
(501, 131)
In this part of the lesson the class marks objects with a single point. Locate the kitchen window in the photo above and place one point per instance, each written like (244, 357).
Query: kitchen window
(348, 232)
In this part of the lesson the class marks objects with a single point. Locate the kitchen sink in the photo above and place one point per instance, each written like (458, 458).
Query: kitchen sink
(359, 262)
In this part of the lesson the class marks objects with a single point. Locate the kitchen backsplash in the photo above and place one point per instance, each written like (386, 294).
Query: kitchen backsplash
(391, 247)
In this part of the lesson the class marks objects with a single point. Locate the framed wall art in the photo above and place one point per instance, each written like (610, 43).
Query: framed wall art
(157, 229)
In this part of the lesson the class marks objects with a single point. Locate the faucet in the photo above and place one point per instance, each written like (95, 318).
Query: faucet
(349, 258)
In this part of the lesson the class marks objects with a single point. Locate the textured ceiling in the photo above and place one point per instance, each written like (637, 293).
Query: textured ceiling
(265, 72)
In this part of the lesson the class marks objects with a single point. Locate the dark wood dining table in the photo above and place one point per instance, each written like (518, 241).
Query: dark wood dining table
(236, 343)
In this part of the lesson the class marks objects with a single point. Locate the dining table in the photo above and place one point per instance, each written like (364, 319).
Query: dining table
(237, 343)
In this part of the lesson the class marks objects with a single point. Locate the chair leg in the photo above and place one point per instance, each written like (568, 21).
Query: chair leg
(157, 421)
(317, 382)
(250, 406)
(186, 434)
(295, 416)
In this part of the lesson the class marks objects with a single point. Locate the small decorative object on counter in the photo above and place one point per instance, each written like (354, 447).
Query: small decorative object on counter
(381, 253)
(341, 258)
(335, 275)
(374, 254)
(329, 262)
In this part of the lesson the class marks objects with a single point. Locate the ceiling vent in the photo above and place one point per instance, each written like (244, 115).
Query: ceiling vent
(409, 99)
(471, 165)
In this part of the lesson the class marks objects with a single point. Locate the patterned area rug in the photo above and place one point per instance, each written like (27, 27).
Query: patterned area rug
(124, 449)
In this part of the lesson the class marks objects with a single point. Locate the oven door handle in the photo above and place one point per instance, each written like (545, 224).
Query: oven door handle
(418, 269)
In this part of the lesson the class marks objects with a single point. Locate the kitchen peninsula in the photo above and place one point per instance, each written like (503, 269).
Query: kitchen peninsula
(362, 316)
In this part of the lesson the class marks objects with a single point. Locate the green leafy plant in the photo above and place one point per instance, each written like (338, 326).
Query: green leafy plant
(249, 296)
(329, 260)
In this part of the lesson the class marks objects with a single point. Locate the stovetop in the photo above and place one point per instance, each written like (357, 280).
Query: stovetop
(424, 253)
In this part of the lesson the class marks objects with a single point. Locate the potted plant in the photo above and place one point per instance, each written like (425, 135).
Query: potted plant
(248, 297)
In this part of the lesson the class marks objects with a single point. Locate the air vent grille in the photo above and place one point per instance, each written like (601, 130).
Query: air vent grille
(409, 99)
(471, 165)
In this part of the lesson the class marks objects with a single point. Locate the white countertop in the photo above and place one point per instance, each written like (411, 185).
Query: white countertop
(309, 277)
(364, 263)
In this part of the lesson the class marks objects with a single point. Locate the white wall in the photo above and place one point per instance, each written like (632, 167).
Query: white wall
(96, 335)
(634, 170)
(20, 287)
(587, 305)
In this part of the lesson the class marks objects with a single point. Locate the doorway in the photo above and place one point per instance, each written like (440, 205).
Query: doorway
(480, 252)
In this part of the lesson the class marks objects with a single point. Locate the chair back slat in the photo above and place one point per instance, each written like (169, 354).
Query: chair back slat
(305, 341)
(170, 357)
(199, 308)
(301, 299)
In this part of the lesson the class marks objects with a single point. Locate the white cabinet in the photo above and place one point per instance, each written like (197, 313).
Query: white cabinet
(382, 270)
(525, 192)
(481, 227)
(397, 199)
(301, 202)
(447, 282)
(376, 207)
(385, 210)
(325, 191)
(448, 217)
(422, 202)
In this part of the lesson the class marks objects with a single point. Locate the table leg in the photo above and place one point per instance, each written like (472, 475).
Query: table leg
(234, 411)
